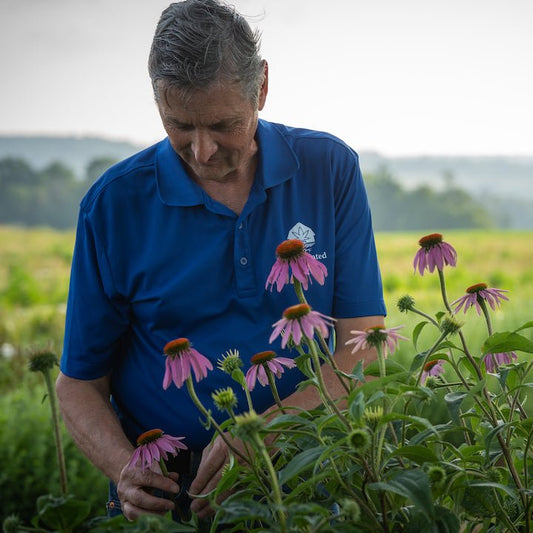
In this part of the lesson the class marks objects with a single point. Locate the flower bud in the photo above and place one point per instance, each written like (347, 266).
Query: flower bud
(230, 362)
(248, 425)
(225, 399)
(43, 361)
(359, 440)
(406, 303)
(350, 509)
(450, 325)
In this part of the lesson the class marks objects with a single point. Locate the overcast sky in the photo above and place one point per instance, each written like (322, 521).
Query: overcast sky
(400, 77)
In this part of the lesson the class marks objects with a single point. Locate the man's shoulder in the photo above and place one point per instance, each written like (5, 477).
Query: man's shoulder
(130, 169)
(309, 141)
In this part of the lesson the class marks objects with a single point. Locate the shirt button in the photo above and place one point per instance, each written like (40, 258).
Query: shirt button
(241, 225)
(244, 261)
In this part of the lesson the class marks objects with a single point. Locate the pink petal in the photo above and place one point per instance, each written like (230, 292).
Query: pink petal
(167, 378)
(251, 377)
(262, 375)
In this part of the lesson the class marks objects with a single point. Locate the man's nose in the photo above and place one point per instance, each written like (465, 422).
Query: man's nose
(203, 146)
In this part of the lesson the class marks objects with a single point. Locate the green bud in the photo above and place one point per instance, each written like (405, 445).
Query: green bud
(225, 399)
(373, 415)
(437, 476)
(406, 303)
(450, 325)
(230, 362)
(43, 361)
(360, 440)
(248, 425)
(12, 524)
(350, 509)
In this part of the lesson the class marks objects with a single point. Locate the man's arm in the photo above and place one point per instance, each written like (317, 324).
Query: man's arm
(96, 430)
(216, 456)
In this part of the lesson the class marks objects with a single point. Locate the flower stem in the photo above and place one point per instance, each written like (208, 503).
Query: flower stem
(460, 333)
(260, 446)
(486, 313)
(163, 467)
(428, 354)
(422, 314)
(381, 360)
(57, 433)
(209, 417)
(323, 391)
(273, 388)
(298, 289)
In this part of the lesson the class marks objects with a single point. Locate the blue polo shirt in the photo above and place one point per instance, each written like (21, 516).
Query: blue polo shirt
(156, 258)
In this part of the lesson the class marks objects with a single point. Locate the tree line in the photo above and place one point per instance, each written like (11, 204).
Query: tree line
(51, 196)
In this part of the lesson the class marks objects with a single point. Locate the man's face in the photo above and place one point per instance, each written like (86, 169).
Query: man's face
(212, 130)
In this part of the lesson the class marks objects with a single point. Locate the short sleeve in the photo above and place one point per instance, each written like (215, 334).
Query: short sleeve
(97, 317)
(358, 285)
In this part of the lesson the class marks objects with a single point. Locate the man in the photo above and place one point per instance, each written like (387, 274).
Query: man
(178, 241)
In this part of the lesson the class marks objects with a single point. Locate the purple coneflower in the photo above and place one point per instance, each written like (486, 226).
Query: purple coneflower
(434, 252)
(154, 445)
(300, 321)
(181, 360)
(432, 368)
(494, 360)
(291, 255)
(375, 336)
(268, 359)
(478, 292)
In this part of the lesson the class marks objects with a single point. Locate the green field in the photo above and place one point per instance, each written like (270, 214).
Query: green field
(34, 272)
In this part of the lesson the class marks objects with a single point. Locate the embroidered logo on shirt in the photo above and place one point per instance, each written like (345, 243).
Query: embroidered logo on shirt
(305, 234)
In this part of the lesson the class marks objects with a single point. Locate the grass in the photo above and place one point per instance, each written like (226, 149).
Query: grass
(35, 263)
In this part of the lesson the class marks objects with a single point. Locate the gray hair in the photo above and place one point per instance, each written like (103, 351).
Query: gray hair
(199, 42)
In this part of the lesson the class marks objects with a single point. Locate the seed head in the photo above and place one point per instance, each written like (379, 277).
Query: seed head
(225, 399)
(360, 440)
(450, 325)
(406, 303)
(43, 361)
(248, 425)
(351, 510)
(230, 362)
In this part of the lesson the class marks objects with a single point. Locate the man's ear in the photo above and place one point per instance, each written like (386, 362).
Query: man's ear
(263, 90)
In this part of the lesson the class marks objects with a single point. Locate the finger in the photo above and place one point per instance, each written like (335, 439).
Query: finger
(132, 512)
(135, 490)
(213, 460)
(148, 479)
(201, 505)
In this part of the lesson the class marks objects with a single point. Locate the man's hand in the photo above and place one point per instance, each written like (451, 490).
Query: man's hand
(214, 458)
(134, 490)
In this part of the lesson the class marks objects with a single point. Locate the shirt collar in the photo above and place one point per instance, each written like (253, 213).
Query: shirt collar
(277, 163)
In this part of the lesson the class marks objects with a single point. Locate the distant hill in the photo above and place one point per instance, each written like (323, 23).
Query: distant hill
(501, 176)
(74, 152)
(503, 183)
(496, 175)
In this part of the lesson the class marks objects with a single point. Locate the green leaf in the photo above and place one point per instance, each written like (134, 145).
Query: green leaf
(391, 367)
(418, 359)
(490, 435)
(357, 407)
(299, 463)
(507, 341)
(418, 454)
(527, 325)
(62, 513)
(417, 330)
(453, 401)
(413, 485)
